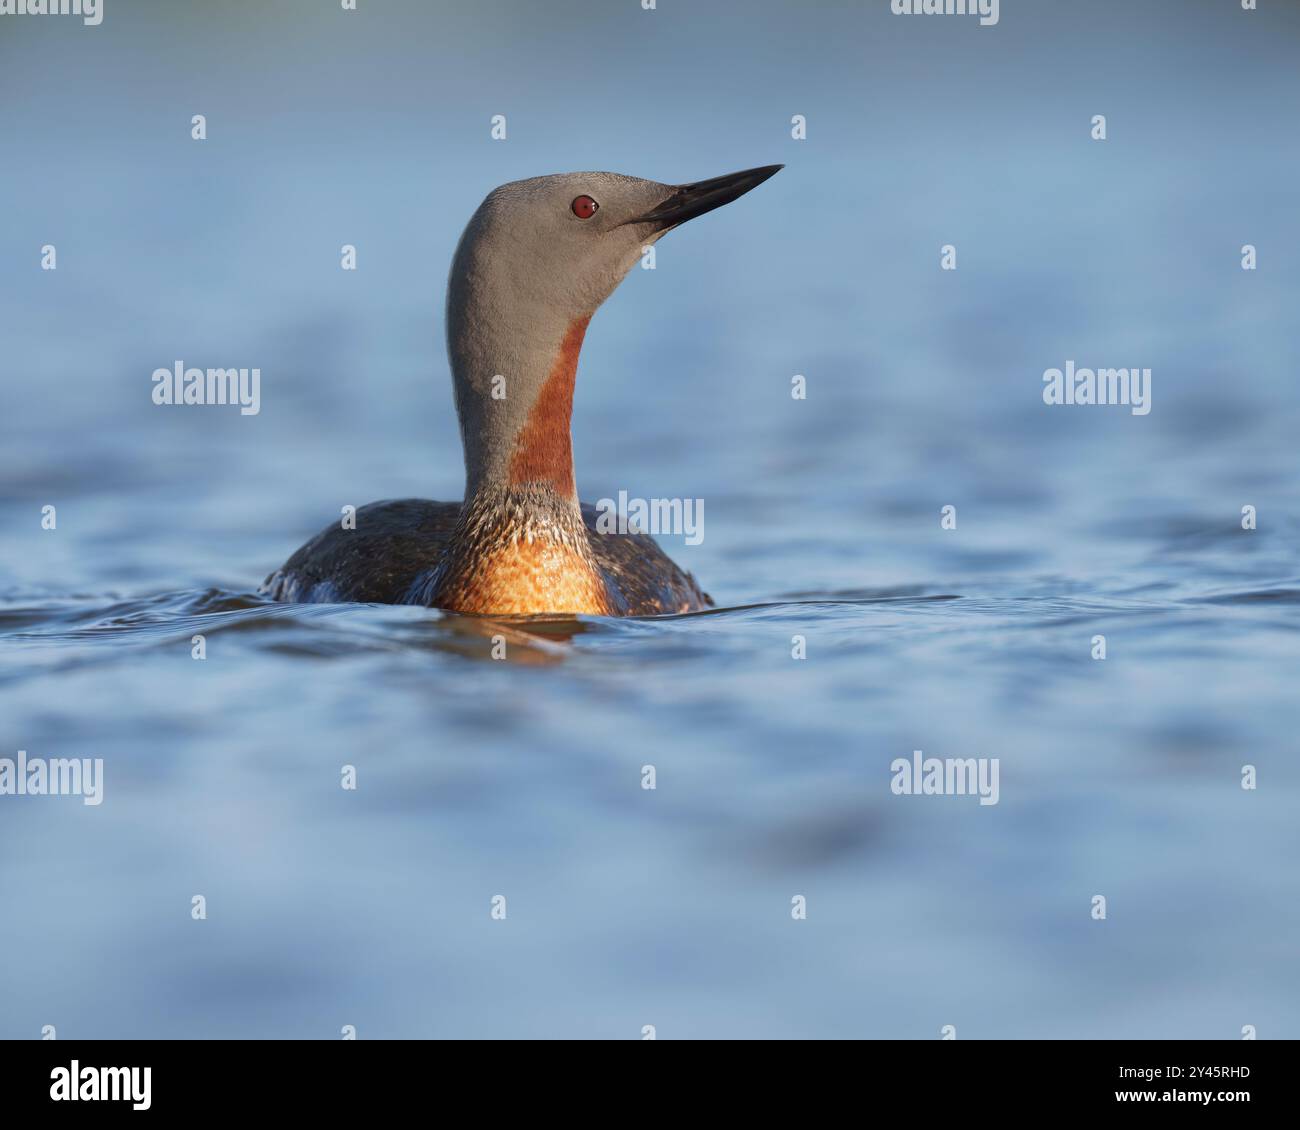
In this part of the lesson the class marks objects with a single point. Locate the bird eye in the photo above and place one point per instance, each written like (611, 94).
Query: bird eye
(584, 207)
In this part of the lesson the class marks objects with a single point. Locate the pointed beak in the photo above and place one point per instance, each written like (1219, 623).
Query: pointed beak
(691, 200)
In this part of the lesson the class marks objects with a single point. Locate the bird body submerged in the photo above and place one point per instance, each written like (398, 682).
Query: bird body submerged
(535, 262)
(401, 553)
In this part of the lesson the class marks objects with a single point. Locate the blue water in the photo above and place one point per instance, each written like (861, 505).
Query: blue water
(479, 777)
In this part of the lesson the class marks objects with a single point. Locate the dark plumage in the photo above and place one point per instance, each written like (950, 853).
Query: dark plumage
(392, 557)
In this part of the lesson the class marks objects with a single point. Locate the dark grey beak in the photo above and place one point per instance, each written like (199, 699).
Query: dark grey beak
(691, 200)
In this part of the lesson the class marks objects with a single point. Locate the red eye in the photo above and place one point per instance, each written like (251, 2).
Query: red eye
(584, 207)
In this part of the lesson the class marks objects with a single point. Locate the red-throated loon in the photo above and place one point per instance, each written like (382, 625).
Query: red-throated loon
(536, 260)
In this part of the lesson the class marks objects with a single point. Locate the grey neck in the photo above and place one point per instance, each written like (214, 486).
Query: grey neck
(513, 362)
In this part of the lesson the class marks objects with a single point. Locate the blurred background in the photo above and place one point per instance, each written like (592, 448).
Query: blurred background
(522, 778)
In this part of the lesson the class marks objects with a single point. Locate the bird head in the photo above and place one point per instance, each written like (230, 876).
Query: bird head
(535, 261)
(566, 241)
